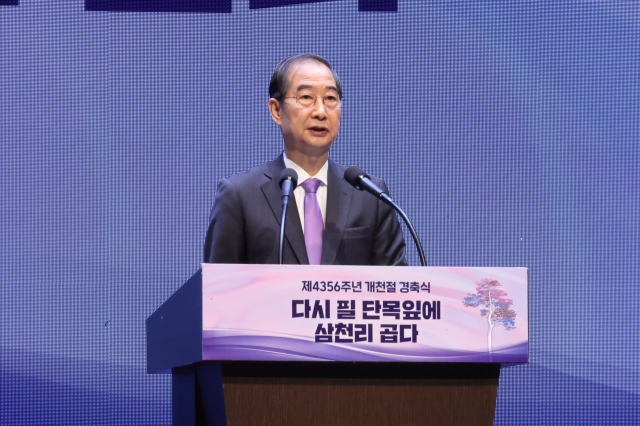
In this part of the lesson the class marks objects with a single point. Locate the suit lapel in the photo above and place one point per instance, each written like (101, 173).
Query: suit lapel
(293, 228)
(339, 194)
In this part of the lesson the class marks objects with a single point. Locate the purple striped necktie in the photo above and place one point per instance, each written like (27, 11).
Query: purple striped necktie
(313, 224)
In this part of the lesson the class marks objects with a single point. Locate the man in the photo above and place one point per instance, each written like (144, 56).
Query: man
(329, 222)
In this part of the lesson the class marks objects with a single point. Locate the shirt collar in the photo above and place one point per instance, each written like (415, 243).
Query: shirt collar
(322, 174)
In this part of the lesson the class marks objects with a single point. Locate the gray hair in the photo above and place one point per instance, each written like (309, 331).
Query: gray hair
(280, 79)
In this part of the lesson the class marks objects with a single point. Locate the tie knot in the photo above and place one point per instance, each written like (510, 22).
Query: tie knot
(310, 186)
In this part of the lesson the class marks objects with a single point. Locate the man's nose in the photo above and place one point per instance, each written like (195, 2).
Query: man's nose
(319, 110)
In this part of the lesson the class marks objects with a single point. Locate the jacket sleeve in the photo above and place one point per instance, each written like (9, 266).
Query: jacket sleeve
(388, 244)
(225, 242)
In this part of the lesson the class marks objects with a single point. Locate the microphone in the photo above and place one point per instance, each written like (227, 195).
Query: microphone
(361, 181)
(288, 182)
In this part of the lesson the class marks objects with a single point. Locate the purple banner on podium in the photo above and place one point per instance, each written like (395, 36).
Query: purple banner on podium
(364, 313)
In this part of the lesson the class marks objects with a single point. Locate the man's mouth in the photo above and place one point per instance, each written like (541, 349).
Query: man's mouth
(318, 129)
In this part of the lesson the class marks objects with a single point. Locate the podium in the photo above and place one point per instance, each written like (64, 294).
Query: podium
(339, 345)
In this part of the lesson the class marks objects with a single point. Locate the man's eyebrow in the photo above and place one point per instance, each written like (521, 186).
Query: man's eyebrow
(307, 86)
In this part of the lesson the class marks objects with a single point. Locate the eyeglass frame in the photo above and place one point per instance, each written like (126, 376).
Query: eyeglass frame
(315, 101)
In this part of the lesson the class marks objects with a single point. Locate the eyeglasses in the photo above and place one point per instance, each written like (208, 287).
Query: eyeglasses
(307, 101)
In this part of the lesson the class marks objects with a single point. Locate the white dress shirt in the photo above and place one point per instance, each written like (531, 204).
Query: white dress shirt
(299, 193)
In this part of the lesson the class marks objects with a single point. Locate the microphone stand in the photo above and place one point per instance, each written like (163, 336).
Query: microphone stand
(285, 205)
(288, 182)
(404, 216)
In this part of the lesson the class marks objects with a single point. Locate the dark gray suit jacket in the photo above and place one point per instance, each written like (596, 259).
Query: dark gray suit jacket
(244, 224)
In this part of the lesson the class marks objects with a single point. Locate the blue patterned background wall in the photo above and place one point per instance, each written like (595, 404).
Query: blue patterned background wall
(508, 131)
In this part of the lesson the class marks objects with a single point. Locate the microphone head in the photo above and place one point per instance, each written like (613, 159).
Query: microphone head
(290, 175)
(354, 175)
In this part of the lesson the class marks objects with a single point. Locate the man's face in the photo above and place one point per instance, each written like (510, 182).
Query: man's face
(307, 131)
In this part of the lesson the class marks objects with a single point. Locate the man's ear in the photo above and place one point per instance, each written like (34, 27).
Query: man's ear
(276, 110)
